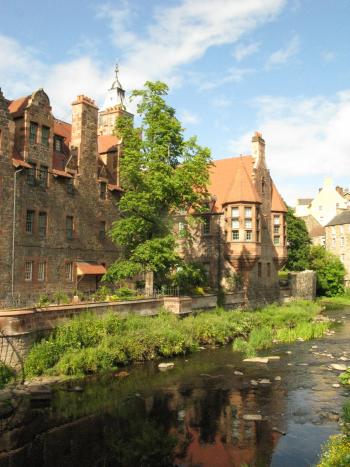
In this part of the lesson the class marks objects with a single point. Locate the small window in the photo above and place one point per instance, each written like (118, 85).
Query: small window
(43, 176)
(45, 134)
(33, 132)
(69, 227)
(235, 235)
(248, 223)
(235, 223)
(276, 229)
(248, 212)
(68, 271)
(103, 190)
(276, 220)
(102, 230)
(42, 224)
(342, 241)
(41, 271)
(234, 212)
(31, 175)
(28, 271)
(276, 240)
(248, 235)
(70, 186)
(206, 225)
(58, 144)
(30, 221)
(259, 270)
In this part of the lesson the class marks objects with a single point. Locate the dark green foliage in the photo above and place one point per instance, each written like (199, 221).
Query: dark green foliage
(6, 374)
(161, 172)
(330, 271)
(298, 243)
(189, 276)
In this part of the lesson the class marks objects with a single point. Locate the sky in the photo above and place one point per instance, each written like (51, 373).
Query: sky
(281, 67)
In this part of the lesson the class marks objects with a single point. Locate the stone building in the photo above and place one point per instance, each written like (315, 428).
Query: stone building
(242, 238)
(59, 190)
(338, 239)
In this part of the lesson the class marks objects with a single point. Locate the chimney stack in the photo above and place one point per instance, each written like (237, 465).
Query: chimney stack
(258, 149)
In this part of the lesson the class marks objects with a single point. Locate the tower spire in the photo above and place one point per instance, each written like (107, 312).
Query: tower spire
(116, 90)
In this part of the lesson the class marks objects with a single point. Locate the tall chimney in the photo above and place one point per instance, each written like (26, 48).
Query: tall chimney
(258, 149)
(84, 135)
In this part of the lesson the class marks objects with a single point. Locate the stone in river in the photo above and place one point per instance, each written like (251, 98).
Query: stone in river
(278, 378)
(265, 381)
(165, 366)
(335, 385)
(253, 382)
(238, 373)
(344, 359)
(252, 417)
(339, 366)
(257, 360)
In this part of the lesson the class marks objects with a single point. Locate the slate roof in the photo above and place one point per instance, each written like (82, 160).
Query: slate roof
(340, 219)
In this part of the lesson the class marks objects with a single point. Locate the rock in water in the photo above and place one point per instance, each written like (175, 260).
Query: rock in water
(238, 373)
(257, 360)
(339, 366)
(252, 417)
(166, 366)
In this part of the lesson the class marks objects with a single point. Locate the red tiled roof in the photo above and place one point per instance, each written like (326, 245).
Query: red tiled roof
(17, 106)
(84, 269)
(277, 203)
(20, 163)
(230, 181)
(107, 143)
(63, 129)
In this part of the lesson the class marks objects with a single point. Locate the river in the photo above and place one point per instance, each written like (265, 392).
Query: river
(196, 414)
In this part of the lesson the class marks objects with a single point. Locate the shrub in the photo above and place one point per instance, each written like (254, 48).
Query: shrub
(330, 271)
(42, 356)
(336, 452)
(61, 298)
(6, 374)
(190, 276)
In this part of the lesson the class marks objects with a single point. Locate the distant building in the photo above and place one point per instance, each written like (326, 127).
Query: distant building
(244, 231)
(325, 204)
(338, 239)
(316, 231)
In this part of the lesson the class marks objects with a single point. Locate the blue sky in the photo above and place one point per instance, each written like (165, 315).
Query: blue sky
(234, 66)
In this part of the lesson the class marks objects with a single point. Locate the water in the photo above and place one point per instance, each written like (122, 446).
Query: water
(189, 416)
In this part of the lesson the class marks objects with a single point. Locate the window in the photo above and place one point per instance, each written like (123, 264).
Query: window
(248, 235)
(41, 271)
(259, 270)
(248, 212)
(235, 235)
(43, 176)
(268, 267)
(276, 229)
(206, 225)
(31, 175)
(33, 132)
(103, 190)
(45, 133)
(30, 221)
(69, 227)
(58, 144)
(276, 240)
(42, 224)
(276, 220)
(333, 230)
(28, 271)
(102, 230)
(342, 241)
(70, 186)
(68, 271)
(235, 223)
(234, 212)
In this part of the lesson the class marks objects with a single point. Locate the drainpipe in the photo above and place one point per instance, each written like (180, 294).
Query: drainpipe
(13, 231)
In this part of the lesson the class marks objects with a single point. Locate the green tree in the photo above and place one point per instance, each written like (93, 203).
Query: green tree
(298, 243)
(329, 269)
(161, 173)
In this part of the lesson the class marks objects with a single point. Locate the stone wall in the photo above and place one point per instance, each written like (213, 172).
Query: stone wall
(302, 285)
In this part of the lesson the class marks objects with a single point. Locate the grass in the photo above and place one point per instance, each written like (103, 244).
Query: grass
(337, 301)
(91, 344)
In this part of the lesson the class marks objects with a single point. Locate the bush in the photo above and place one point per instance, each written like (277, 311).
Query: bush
(6, 374)
(190, 276)
(336, 452)
(330, 272)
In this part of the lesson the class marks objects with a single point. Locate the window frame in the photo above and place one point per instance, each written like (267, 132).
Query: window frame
(28, 278)
(69, 229)
(33, 135)
(41, 277)
(30, 221)
(45, 136)
(42, 229)
(68, 271)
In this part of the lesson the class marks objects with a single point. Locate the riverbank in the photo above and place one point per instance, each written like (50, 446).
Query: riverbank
(90, 344)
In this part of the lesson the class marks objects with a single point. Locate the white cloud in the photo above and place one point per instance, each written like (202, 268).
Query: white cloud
(182, 33)
(245, 50)
(234, 75)
(304, 138)
(187, 117)
(281, 56)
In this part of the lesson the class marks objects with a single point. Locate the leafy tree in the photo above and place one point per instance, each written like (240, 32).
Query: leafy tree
(161, 173)
(298, 243)
(330, 271)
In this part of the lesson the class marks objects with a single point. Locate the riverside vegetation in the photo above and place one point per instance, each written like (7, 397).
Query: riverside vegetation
(89, 344)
